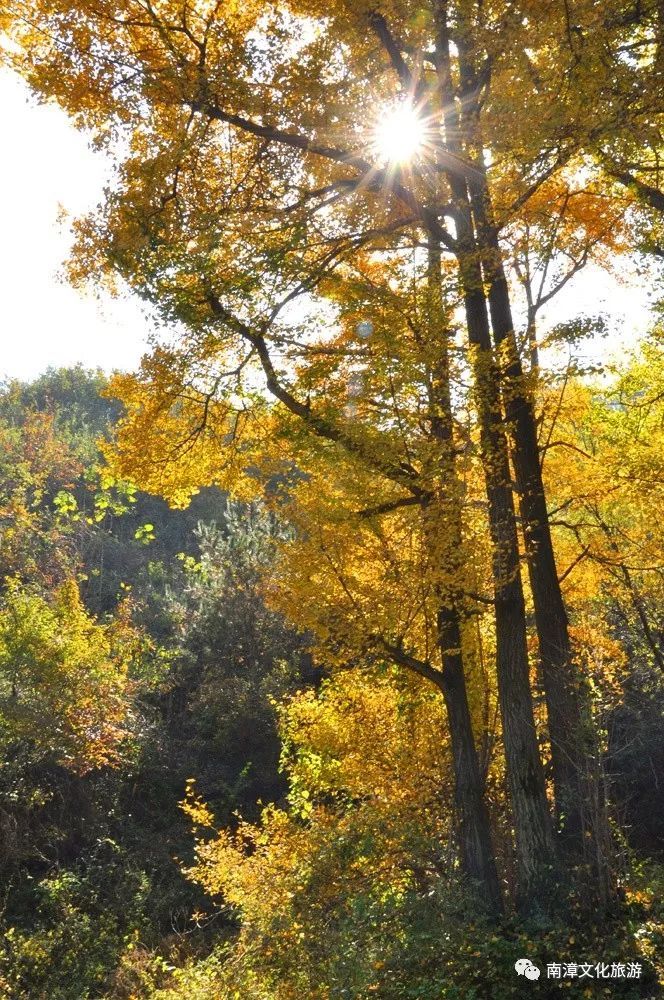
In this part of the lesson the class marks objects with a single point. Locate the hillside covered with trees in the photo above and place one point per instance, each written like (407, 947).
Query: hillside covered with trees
(332, 639)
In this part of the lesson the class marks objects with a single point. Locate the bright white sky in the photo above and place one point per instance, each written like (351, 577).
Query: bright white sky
(47, 165)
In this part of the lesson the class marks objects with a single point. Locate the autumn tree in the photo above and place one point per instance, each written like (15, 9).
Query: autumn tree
(607, 438)
(363, 836)
(36, 465)
(251, 177)
(65, 685)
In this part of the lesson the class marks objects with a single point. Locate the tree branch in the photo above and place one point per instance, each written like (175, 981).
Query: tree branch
(403, 659)
(575, 562)
(391, 505)
(393, 49)
(652, 196)
(401, 473)
(371, 174)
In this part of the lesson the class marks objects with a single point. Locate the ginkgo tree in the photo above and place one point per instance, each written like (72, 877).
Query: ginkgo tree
(257, 169)
(344, 490)
(608, 441)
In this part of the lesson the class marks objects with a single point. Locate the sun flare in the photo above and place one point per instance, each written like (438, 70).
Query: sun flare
(399, 134)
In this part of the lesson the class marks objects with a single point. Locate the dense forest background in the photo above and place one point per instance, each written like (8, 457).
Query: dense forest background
(164, 671)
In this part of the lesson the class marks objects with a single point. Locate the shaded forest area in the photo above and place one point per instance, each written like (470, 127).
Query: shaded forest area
(164, 671)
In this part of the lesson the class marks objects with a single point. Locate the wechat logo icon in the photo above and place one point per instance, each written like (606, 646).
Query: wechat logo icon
(524, 967)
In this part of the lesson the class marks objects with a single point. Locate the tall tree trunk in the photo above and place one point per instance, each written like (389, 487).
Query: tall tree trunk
(474, 830)
(534, 841)
(443, 524)
(535, 849)
(580, 808)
